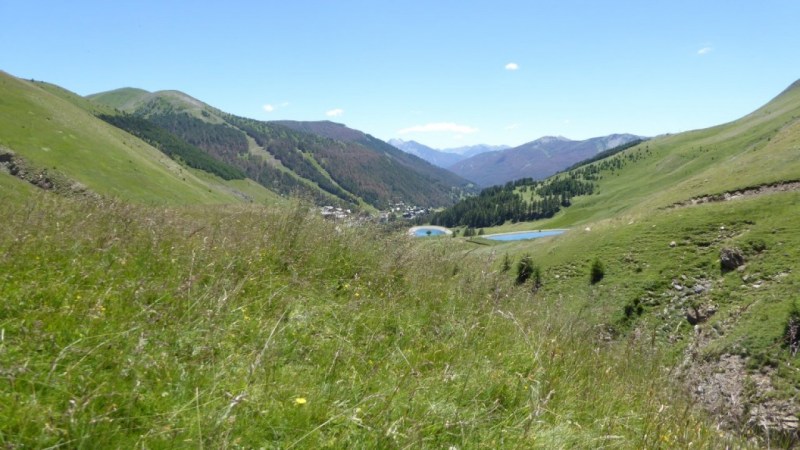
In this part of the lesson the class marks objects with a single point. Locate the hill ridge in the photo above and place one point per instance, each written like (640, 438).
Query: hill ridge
(337, 161)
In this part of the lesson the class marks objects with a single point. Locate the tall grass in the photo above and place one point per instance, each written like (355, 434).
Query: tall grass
(131, 327)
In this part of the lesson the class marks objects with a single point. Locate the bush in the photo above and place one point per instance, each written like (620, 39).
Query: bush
(526, 270)
(506, 263)
(597, 271)
(757, 245)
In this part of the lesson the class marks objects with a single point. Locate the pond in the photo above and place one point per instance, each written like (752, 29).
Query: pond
(426, 231)
(523, 235)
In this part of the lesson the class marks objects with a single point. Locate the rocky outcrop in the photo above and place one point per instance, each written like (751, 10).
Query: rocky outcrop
(41, 178)
(699, 314)
(741, 398)
(730, 259)
(781, 186)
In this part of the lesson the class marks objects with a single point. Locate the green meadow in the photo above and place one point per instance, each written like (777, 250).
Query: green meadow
(172, 309)
(140, 327)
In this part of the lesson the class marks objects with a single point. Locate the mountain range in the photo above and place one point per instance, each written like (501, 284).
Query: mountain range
(677, 274)
(537, 159)
(444, 158)
(326, 162)
(489, 165)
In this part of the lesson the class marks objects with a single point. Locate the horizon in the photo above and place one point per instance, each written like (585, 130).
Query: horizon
(443, 75)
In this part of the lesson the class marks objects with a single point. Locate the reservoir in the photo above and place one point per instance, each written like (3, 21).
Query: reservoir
(429, 231)
(523, 235)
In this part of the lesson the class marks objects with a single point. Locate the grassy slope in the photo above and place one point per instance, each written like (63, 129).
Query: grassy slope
(133, 100)
(363, 171)
(759, 148)
(207, 327)
(15, 190)
(628, 227)
(52, 132)
(241, 327)
(124, 99)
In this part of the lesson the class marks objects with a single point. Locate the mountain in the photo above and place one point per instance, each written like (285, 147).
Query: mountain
(51, 137)
(443, 158)
(674, 287)
(323, 160)
(537, 159)
(340, 132)
(472, 150)
(433, 156)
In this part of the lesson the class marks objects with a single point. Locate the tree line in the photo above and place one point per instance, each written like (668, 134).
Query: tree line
(173, 146)
(527, 199)
(517, 201)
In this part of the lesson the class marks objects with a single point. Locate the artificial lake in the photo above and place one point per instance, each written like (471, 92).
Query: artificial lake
(523, 235)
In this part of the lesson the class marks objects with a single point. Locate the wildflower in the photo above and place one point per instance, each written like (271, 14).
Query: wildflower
(300, 401)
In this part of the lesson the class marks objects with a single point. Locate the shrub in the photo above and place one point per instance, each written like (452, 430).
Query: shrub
(506, 266)
(526, 270)
(758, 245)
(597, 272)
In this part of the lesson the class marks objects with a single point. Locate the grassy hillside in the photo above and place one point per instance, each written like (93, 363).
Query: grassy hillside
(242, 327)
(538, 159)
(760, 148)
(321, 159)
(52, 133)
(123, 99)
(14, 189)
(728, 332)
(128, 325)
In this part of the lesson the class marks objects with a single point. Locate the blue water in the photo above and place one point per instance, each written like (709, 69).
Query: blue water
(422, 232)
(522, 235)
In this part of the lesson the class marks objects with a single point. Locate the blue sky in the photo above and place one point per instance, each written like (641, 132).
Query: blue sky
(444, 73)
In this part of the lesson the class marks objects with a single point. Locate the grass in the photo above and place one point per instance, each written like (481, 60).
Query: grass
(132, 326)
(123, 99)
(14, 189)
(40, 123)
(140, 327)
(651, 285)
(638, 295)
(760, 148)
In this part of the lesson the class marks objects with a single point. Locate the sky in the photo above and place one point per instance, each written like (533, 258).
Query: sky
(443, 73)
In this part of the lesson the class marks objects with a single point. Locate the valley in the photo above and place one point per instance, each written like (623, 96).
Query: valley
(169, 280)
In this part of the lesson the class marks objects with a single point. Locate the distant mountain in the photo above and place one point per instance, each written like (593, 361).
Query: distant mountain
(431, 174)
(433, 156)
(324, 160)
(446, 157)
(537, 159)
(472, 150)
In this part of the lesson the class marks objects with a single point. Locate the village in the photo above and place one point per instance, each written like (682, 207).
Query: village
(396, 211)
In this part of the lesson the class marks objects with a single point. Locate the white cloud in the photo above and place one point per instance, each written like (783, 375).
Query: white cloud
(268, 108)
(284, 104)
(705, 50)
(512, 66)
(335, 112)
(513, 126)
(439, 127)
